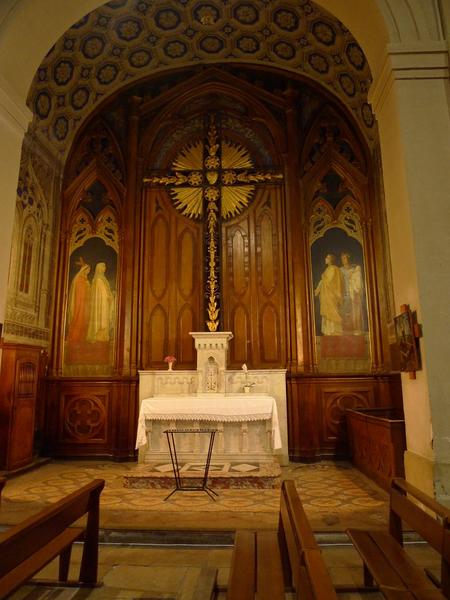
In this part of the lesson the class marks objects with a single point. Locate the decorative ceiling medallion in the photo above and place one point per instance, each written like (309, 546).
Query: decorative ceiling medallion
(284, 50)
(324, 33)
(167, 19)
(212, 44)
(286, 20)
(356, 56)
(246, 14)
(206, 14)
(93, 46)
(42, 104)
(140, 58)
(61, 128)
(129, 29)
(318, 62)
(248, 44)
(63, 72)
(175, 49)
(80, 98)
(188, 170)
(107, 73)
(347, 84)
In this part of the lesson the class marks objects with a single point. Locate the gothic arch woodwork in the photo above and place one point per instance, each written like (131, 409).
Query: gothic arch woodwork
(98, 146)
(329, 134)
(215, 90)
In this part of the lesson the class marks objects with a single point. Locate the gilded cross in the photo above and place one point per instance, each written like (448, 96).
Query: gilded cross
(212, 178)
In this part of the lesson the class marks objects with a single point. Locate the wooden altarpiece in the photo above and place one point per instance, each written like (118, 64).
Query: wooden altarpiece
(130, 160)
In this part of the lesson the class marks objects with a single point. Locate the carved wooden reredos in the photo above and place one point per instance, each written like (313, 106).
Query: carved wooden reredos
(134, 200)
(213, 198)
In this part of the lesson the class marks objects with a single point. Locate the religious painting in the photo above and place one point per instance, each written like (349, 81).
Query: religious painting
(408, 351)
(340, 305)
(91, 308)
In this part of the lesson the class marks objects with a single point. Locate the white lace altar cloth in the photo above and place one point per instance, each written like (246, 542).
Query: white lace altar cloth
(219, 408)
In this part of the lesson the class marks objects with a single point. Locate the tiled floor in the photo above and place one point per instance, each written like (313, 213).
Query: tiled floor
(334, 495)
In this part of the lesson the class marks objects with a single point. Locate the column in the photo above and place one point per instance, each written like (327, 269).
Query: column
(411, 103)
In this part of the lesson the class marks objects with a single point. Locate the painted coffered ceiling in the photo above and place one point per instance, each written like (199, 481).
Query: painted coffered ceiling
(127, 40)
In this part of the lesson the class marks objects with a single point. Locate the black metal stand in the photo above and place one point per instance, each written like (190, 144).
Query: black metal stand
(179, 487)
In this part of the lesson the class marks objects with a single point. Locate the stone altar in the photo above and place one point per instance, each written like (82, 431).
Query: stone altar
(257, 431)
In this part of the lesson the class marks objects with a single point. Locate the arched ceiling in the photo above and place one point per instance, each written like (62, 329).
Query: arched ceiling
(126, 40)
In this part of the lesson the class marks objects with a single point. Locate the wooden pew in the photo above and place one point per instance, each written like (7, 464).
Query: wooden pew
(264, 564)
(28, 547)
(384, 558)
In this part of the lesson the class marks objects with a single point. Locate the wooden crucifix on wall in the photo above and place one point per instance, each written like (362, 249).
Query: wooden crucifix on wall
(212, 179)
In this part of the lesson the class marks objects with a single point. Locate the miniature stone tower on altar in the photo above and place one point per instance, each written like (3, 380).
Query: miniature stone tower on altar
(212, 355)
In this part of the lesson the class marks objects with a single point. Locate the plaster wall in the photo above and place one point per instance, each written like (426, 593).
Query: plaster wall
(426, 133)
(415, 392)
(412, 110)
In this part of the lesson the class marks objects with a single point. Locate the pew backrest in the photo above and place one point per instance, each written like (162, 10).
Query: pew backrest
(29, 545)
(242, 579)
(407, 503)
(426, 516)
(304, 564)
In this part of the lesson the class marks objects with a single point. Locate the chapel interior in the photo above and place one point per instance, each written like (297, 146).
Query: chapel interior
(276, 170)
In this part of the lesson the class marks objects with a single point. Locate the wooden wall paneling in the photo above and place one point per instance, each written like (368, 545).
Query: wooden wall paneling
(19, 384)
(155, 306)
(172, 282)
(373, 304)
(188, 289)
(41, 409)
(85, 417)
(253, 283)
(316, 411)
(334, 402)
(384, 291)
(130, 255)
(378, 443)
(91, 418)
(270, 325)
(238, 302)
(303, 419)
(299, 343)
(241, 351)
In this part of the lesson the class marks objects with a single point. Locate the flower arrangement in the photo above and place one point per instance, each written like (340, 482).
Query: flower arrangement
(170, 360)
(247, 384)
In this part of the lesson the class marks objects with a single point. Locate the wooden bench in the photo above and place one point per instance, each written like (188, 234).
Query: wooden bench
(266, 563)
(384, 558)
(28, 547)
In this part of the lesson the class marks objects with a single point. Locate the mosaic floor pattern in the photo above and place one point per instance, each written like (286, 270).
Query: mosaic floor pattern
(335, 496)
(222, 475)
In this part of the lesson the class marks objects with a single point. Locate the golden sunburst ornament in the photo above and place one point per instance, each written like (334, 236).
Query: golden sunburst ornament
(195, 172)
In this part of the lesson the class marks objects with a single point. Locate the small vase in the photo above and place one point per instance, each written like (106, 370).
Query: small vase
(170, 366)
(246, 389)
